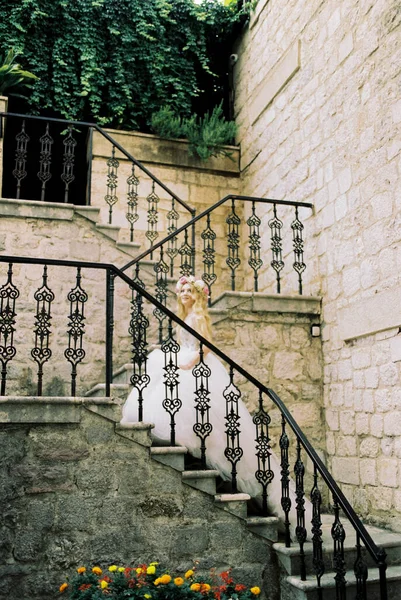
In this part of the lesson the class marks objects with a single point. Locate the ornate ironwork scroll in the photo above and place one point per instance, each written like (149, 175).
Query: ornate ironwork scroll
(202, 427)
(171, 403)
(41, 353)
(111, 197)
(264, 474)
(276, 246)
(172, 249)
(233, 451)
(338, 535)
(132, 204)
(153, 216)
(136, 279)
(361, 572)
(8, 295)
(300, 531)
(77, 298)
(19, 171)
(318, 562)
(138, 330)
(45, 160)
(186, 252)
(161, 269)
(285, 481)
(255, 262)
(233, 261)
(208, 236)
(67, 176)
(298, 243)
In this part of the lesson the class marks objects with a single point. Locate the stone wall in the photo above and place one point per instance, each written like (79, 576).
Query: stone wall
(73, 492)
(318, 110)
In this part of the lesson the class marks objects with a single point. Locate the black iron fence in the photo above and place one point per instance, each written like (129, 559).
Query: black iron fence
(138, 322)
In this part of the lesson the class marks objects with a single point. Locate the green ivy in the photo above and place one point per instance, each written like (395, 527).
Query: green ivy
(117, 62)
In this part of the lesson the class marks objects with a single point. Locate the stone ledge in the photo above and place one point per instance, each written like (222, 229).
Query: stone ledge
(36, 209)
(260, 302)
(50, 409)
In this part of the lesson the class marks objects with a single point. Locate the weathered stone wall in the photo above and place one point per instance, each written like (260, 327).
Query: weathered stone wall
(73, 492)
(318, 109)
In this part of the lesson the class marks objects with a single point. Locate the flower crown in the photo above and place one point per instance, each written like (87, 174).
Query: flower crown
(198, 284)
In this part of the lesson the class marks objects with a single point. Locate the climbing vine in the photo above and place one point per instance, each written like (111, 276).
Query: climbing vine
(118, 62)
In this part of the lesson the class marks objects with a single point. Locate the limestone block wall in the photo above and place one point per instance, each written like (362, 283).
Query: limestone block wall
(73, 492)
(318, 110)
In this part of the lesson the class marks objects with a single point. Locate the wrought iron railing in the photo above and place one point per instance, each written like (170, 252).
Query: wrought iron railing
(41, 162)
(141, 303)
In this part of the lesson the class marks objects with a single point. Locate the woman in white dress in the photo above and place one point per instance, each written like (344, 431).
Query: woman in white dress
(192, 298)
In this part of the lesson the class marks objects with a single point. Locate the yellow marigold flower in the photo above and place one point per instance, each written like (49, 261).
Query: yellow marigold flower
(165, 579)
(104, 585)
(205, 587)
(178, 581)
(63, 587)
(189, 574)
(195, 587)
(147, 596)
(138, 570)
(81, 570)
(151, 570)
(121, 569)
(113, 568)
(255, 590)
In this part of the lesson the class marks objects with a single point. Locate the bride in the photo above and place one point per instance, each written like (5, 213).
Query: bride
(192, 298)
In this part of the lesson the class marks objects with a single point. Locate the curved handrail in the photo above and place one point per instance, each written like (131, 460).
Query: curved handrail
(377, 553)
(190, 209)
(208, 211)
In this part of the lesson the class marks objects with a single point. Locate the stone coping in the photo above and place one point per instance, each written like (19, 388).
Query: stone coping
(151, 149)
(261, 302)
(55, 409)
(35, 209)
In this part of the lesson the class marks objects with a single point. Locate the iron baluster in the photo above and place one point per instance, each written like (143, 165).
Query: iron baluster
(171, 403)
(264, 474)
(298, 243)
(132, 204)
(75, 352)
(361, 572)
(19, 171)
(110, 277)
(318, 562)
(136, 279)
(193, 239)
(285, 481)
(111, 197)
(255, 262)
(208, 236)
(202, 427)
(45, 160)
(41, 353)
(8, 295)
(233, 261)
(300, 531)
(161, 269)
(153, 217)
(67, 176)
(233, 451)
(338, 535)
(172, 249)
(138, 330)
(382, 563)
(276, 246)
(185, 252)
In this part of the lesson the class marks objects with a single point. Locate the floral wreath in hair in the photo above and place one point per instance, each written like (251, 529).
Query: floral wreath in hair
(198, 284)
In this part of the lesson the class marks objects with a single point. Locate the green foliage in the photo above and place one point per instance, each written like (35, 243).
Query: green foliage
(118, 62)
(14, 81)
(206, 135)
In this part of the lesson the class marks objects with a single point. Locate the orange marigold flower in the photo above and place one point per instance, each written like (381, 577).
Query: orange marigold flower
(157, 581)
(195, 587)
(165, 578)
(63, 587)
(255, 590)
(189, 574)
(84, 586)
(81, 570)
(178, 581)
(240, 587)
(205, 587)
(97, 570)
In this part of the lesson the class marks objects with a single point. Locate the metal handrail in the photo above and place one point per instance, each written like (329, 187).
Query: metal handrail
(378, 554)
(208, 211)
(190, 209)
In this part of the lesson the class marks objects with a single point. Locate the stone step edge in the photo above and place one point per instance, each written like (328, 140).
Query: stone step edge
(293, 551)
(393, 573)
(240, 497)
(101, 386)
(134, 426)
(201, 474)
(164, 450)
(257, 521)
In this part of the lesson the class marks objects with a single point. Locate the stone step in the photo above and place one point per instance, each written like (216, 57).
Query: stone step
(130, 248)
(136, 432)
(173, 456)
(289, 558)
(266, 527)
(117, 390)
(235, 504)
(110, 231)
(204, 480)
(89, 212)
(295, 589)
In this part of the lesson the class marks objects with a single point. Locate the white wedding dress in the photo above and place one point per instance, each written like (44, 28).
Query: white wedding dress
(153, 412)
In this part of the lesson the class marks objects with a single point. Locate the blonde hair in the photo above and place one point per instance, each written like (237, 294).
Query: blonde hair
(199, 309)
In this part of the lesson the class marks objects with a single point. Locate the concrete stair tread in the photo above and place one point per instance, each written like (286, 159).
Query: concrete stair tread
(393, 573)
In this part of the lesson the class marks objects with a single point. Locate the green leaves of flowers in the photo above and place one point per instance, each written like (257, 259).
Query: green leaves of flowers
(13, 79)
